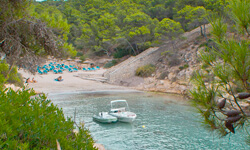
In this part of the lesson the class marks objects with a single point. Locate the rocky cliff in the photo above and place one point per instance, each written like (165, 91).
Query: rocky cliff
(175, 63)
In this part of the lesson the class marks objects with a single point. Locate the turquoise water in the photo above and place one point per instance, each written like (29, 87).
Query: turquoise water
(163, 122)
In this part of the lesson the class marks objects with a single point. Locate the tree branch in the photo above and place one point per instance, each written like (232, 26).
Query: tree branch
(15, 21)
(235, 100)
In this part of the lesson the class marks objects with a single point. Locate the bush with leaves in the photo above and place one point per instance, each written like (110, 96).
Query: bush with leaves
(227, 72)
(145, 71)
(184, 67)
(110, 64)
(163, 75)
(36, 123)
(9, 75)
(121, 53)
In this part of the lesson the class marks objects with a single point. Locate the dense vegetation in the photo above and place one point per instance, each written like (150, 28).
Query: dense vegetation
(30, 31)
(9, 76)
(29, 122)
(35, 123)
(123, 27)
(222, 85)
(26, 40)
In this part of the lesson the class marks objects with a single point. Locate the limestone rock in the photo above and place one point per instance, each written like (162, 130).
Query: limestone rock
(171, 75)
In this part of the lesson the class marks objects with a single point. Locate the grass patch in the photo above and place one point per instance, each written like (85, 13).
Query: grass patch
(110, 64)
(184, 67)
(145, 71)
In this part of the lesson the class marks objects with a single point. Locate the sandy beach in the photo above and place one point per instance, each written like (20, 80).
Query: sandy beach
(71, 82)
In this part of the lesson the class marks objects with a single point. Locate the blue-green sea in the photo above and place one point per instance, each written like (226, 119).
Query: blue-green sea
(164, 122)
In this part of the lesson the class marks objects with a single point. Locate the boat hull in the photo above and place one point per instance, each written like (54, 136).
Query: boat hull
(105, 118)
(127, 117)
(127, 120)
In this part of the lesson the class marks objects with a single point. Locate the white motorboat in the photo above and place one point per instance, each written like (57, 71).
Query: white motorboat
(120, 109)
(104, 117)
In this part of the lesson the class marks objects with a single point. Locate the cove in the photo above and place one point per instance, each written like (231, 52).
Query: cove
(163, 121)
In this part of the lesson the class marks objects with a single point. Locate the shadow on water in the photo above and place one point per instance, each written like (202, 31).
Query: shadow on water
(163, 122)
(115, 125)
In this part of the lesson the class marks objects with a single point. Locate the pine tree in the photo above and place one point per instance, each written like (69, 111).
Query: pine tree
(221, 86)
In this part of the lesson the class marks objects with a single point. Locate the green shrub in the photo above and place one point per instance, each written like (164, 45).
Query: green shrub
(110, 64)
(36, 123)
(204, 66)
(145, 71)
(209, 43)
(12, 77)
(181, 67)
(121, 52)
(163, 75)
(203, 44)
(144, 45)
(184, 67)
(83, 58)
(15, 77)
(79, 54)
(174, 61)
(3, 71)
(167, 53)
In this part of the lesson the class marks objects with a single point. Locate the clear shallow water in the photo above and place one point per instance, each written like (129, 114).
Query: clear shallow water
(161, 123)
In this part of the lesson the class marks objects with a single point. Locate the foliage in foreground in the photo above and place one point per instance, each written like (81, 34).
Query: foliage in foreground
(145, 71)
(35, 123)
(26, 40)
(221, 89)
(9, 75)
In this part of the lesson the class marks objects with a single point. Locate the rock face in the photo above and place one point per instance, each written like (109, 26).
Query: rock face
(175, 66)
(165, 86)
(125, 70)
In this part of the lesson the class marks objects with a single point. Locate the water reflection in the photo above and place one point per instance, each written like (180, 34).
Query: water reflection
(163, 122)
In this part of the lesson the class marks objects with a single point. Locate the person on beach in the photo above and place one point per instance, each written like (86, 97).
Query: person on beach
(92, 65)
(28, 80)
(59, 78)
(33, 80)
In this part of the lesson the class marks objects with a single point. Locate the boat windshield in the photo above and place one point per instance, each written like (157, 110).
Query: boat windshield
(119, 105)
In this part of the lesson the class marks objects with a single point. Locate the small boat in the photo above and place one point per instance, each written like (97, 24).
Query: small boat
(120, 110)
(104, 117)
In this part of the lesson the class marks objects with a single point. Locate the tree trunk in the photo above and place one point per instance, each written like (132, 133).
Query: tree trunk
(248, 34)
(205, 35)
(137, 50)
(201, 30)
(131, 47)
(173, 44)
(11, 67)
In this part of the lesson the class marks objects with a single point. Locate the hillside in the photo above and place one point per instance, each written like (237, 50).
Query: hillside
(174, 66)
